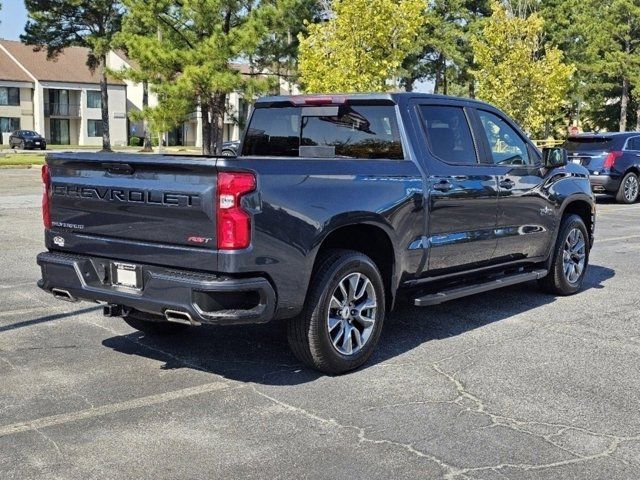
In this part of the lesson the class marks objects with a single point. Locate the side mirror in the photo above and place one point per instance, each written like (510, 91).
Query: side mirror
(554, 157)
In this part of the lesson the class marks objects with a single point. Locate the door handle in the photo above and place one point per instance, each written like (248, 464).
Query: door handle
(507, 183)
(443, 186)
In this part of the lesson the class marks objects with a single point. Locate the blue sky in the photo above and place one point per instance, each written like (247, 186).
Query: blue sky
(13, 18)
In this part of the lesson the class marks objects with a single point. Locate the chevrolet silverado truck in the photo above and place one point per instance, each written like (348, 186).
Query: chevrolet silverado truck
(336, 208)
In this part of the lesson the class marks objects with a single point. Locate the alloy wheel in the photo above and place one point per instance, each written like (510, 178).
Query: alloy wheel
(574, 255)
(631, 188)
(352, 314)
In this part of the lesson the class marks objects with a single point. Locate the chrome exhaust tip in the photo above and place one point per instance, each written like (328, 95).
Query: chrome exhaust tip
(61, 294)
(177, 316)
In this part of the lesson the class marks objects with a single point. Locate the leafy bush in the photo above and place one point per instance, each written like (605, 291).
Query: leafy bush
(135, 142)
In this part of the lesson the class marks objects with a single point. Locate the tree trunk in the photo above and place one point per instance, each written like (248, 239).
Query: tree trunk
(206, 128)
(445, 80)
(441, 66)
(147, 147)
(213, 123)
(638, 119)
(104, 94)
(624, 104)
(472, 88)
(217, 121)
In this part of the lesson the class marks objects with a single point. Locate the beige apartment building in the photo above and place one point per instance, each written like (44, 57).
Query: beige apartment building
(60, 99)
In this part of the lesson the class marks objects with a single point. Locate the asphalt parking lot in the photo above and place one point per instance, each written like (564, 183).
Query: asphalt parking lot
(515, 384)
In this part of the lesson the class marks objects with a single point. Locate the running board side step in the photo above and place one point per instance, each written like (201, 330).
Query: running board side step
(466, 290)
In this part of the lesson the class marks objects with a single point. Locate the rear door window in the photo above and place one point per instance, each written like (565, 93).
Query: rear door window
(634, 144)
(448, 134)
(344, 131)
(588, 144)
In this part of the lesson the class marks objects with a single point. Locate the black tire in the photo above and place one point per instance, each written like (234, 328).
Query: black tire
(556, 281)
(228, 153)
(22, 145)
(308, 334)
(628, 192)
(152, 324)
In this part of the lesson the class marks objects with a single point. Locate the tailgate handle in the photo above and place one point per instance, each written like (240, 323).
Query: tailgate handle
(119, 168)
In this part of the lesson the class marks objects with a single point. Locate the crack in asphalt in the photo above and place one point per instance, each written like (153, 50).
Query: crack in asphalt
(464, 399)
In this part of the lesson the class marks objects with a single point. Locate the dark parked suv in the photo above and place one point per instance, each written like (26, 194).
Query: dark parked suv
(335, 207)
(613, 161)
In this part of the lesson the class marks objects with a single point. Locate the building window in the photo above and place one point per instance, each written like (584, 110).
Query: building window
(9, 125)
(94, 99)
(10, 96)
(94, 128)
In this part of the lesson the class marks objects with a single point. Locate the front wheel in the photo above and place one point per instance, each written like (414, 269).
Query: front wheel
(152, 324)
(629, 189)
(343, 315)
(570, 258)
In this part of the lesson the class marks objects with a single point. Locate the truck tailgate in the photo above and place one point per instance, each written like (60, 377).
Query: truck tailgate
(157, 199)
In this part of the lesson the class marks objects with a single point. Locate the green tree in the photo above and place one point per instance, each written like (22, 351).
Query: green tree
(614, 41)
(277, 52)
(189, 57)
(517, 72)
(56, 24)
(360, 46)
(445, 56)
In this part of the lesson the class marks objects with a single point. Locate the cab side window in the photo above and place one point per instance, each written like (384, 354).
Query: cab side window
(506, 145)
(634, 144)
(448, 134)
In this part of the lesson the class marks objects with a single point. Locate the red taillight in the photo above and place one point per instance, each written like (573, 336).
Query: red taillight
(611, 159)
(46, 206)
(234, 224)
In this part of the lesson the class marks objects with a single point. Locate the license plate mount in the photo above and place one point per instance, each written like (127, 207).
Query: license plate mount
(126, 275)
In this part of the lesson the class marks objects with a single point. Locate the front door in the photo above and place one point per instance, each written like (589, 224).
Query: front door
(462, 192)
(526, 214)
(60, 131)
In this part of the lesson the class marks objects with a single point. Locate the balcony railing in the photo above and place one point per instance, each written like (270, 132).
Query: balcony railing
(67, 110)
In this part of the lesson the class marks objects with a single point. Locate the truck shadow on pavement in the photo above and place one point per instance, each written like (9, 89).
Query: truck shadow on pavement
(259, 353)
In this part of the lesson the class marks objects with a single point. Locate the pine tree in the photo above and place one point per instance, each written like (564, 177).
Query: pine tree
(277, 52)
(57, 24)
(187, 49)
(614, 41)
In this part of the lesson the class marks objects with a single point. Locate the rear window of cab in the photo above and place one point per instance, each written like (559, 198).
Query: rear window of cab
(336, 131)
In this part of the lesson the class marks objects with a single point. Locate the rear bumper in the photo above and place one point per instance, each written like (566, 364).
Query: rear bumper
(207, 298)
(604, 183)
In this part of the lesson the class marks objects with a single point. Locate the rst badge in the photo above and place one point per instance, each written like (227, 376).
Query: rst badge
(199, 240)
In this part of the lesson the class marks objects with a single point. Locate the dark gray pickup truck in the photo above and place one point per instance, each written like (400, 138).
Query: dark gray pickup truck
(336, 207)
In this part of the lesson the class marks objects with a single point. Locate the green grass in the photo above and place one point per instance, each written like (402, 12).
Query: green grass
(21, 160)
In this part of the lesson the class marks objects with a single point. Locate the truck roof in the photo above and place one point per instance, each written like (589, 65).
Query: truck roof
(339, 98)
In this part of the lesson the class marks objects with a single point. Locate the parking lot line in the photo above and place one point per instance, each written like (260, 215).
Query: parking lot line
(63, 418)
(617, 239)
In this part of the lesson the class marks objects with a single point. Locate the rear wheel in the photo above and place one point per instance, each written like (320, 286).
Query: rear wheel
(152, 324)
(343, 315)
(629, 189)
(570, 258)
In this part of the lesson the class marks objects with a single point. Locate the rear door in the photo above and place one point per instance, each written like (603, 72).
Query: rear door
(461, 192)
(526, 215)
